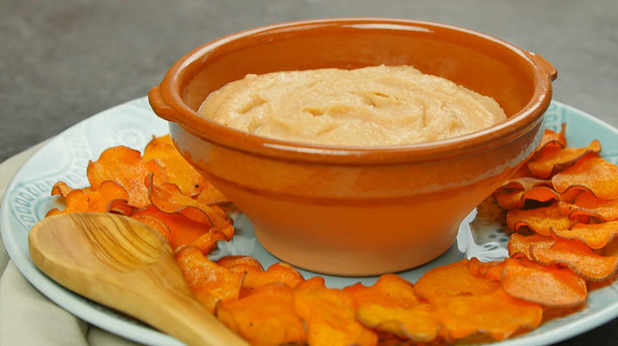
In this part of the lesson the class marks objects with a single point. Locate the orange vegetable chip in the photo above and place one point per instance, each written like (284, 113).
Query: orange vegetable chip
(241, 264)
(415, 323)
(278, 272)
(209, 195)
(207, 242)
(451, 280)
(163, 139)
(587, 204)
(183, 230)
(314, 284)
(515, 193)
(611, 249)
(61, 188)
(156, 224)
(578, 257)
(495, 313)
(540, 220)
(265, 318)
(488, 270)
(595, 285)
(390, 305)
(168, 198)
(551, 138)
(596, 236)
(209, 282)
(591, 173)
(569, 196)
(517, 199)
(389, 290)
(121, 207)
(126, 167)
(101, 200)
(524, 183)
(556, 159)
(554, 313)
(479, 268)
(519, 245)
(330, 316)
(546, 285)
(177, 170)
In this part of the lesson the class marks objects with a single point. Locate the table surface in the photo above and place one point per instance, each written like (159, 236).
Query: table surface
(63, 61)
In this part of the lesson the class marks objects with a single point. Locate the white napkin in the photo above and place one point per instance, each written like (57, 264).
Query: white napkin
(29, 318)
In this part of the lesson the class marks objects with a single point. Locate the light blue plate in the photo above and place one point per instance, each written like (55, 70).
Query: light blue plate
(133, 124)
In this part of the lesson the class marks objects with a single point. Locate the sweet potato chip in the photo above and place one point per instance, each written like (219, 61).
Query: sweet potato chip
(587, 204)
(121, 207)
(209, 282)
(478, 268)
(415, 323)
(551, 138)
(126, 167)
(512, 200)
(596, 236)
(389, 290)
(390, 339)
(207, 242)
(611, 249)
(390, 305)
(183, 230)
(266, 318)
(519, 245)
(554, 313)
(241, 264)
(488, 270)
(156, 224)
(592, 173)
(168, 198)
(539, 220)
(495, 313)
(546, 285)
(555, 159)
(569, 196)
(524, 183)
(167, 139)
(330, 316)
(61, 188)
(101, 200)
(451, 280)
(517, 199)
(541, 194)
(578, 257)
(314, 284)
(209, 195)
(595, 285)
(177, 170)
(277, 273)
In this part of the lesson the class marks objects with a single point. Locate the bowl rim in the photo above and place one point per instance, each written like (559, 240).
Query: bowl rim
(169, 92)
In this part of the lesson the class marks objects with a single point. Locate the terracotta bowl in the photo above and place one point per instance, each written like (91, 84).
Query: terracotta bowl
(357, 210)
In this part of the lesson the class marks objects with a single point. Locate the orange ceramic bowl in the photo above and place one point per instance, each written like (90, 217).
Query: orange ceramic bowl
(357, 210)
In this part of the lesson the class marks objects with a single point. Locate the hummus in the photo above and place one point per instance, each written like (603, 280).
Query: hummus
(371, 106)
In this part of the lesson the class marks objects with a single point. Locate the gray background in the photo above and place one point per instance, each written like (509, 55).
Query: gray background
(63, 61)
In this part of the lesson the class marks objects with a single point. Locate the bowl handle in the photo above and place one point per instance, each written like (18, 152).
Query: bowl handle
(159, 106)
(551, 70)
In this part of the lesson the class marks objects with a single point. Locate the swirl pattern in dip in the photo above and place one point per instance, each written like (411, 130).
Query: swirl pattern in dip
(371, 106)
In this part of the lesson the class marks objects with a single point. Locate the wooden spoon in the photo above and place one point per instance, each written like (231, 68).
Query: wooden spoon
(121, 263)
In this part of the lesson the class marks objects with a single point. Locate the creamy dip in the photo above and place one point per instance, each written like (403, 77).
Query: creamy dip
(371, 106)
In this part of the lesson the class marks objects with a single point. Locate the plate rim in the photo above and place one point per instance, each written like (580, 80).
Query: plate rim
(67, 300)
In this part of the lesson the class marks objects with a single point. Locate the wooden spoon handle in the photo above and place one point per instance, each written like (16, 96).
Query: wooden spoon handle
(180, 317)
(120, 263)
